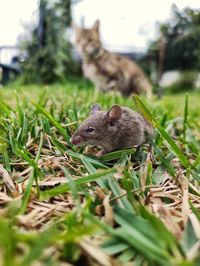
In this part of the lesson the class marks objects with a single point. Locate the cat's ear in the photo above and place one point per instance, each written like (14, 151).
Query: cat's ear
(96, 26)
(75, 27)
(114, 114)
(95, 107)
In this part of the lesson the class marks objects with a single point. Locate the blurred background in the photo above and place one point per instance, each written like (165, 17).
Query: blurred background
(37, 40)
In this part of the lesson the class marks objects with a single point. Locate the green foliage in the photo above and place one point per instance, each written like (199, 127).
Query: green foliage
(49, 52)
(181, 36)
(185, 83)
(35, 129)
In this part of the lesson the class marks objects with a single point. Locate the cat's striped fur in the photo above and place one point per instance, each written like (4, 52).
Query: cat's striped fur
(107, 70)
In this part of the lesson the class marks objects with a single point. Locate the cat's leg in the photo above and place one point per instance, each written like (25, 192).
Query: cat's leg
(141, 85)
(118, 87)
(115, 85)
(112, 85)
(97, 91)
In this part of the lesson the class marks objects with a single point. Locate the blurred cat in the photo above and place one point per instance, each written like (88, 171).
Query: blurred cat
(107, 70)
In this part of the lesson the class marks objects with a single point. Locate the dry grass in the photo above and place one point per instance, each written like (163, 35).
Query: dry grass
(60, 207)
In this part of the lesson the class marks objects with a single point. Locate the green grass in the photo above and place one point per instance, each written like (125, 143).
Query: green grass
(60, 205)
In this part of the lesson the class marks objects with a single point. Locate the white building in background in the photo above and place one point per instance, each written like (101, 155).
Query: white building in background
(7, 52)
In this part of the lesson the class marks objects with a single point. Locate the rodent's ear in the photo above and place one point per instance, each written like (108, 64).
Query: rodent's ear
(95, 107)
(96, 26)
(114, 114)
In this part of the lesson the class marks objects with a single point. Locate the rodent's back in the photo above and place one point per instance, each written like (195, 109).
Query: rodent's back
(129, 130)
(136, 122)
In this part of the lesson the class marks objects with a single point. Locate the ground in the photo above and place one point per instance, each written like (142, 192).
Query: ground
(60, 205)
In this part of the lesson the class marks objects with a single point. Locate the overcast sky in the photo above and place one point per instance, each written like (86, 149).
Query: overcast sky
(124, 23)
(128, 23)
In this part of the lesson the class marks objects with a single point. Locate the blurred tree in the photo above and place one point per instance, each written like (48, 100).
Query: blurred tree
(49, 53)
(178, 46)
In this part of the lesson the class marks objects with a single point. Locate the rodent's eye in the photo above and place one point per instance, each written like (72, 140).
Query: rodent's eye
(89, 130)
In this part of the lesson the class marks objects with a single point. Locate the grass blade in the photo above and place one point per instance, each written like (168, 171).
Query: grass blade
(7, 110)
(146, 114)
(78, 182)
(151, 120)
(185, 116)
(164, 160)
(53, 121)
(116, 154)
(173, 146)
(27, 193)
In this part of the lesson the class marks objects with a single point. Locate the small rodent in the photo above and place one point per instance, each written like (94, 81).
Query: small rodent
(115, 129)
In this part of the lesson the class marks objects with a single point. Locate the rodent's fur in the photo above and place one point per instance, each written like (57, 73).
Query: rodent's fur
(115, 129)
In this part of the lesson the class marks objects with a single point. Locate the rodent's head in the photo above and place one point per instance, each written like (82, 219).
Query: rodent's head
(88, 40)
(97, 126)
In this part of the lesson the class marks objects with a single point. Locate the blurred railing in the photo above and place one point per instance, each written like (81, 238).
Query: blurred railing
(9, 63)
(7, 52)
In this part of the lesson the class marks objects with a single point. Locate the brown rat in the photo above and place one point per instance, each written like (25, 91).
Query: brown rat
(115, 129)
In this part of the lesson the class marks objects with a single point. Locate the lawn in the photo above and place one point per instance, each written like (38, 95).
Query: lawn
(60, 205)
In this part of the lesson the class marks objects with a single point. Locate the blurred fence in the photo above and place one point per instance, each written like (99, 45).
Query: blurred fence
(9, 63)
(7, 52)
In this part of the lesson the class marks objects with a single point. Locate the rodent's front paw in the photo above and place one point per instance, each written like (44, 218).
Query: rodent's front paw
(100, 153)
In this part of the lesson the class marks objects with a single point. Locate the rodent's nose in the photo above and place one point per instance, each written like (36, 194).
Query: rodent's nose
(76, 139)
